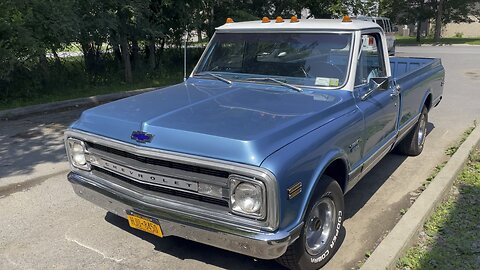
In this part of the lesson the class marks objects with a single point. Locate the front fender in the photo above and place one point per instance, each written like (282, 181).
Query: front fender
(305, 160)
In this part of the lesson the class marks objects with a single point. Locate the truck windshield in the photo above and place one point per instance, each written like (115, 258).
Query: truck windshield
(305, 59)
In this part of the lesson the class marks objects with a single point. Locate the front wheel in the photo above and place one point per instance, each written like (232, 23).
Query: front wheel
(320, 236)
(413, 143)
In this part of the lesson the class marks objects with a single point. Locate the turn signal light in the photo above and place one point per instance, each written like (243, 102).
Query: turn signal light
(229, 20)
(279, 19)
(294, 19)
(265, 20)
(346, 19)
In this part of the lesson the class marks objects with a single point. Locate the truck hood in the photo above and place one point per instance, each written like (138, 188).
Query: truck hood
(241, 122)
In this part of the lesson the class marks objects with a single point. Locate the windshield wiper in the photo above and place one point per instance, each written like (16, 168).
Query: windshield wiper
(218, 77)
(298, 89)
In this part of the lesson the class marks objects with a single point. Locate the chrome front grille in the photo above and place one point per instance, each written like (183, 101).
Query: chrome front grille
(157, 175)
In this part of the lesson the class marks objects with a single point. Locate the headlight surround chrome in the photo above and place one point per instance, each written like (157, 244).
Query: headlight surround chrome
(77, 154)
(247, 197)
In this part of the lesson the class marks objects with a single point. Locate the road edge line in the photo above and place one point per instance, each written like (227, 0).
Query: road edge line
(403, 235)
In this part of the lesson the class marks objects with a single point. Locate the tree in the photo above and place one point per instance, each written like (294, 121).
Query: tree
(456, 11)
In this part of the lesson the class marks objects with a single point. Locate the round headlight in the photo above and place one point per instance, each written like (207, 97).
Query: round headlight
(248, 198)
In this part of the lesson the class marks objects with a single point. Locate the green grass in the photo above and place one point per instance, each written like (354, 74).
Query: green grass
(451, 236)
(93, 90)
(401, 40)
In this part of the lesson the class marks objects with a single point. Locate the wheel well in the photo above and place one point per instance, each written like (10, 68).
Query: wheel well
(338, 171)
(428, 102)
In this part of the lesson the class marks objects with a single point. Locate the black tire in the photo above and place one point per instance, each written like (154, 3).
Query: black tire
(301, 255)
(412, 144)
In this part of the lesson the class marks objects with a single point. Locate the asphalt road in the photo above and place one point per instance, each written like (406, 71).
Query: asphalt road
(45, 226)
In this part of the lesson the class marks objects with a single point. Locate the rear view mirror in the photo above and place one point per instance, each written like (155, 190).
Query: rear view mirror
(380, 83)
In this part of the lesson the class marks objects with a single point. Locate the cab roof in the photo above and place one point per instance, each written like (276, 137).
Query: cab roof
(303, 24)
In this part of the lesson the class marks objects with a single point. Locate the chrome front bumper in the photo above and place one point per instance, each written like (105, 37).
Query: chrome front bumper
(257, 244)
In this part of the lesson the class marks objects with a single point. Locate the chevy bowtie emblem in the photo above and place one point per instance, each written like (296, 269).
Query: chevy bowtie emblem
(141, 137)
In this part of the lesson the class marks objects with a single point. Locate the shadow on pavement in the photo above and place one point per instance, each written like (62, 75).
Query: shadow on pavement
(27, 142)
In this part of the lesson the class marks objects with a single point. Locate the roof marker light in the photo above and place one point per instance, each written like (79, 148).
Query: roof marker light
(346, 18)
(294, 19)
(279, 20)
(265, 20)
(229, 20)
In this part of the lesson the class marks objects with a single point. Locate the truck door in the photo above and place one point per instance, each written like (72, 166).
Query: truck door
(379, 106)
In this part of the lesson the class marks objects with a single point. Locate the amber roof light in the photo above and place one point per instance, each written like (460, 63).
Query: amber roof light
(346, 19)
(265, 20)
(294, 19)
(279, 20)
(229, 20)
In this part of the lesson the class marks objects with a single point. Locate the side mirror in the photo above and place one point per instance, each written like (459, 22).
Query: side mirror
(395, 29)
(374, 84)
(379, 83)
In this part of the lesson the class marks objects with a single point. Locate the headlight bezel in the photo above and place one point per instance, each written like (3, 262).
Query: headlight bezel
(70, 145)
(234, 182)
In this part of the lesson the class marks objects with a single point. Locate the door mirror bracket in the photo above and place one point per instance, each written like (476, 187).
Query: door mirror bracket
(374, 84)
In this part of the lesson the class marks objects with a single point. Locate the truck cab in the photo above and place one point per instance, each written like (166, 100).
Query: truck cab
(254, 152)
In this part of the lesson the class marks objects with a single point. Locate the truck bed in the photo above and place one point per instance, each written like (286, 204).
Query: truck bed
(403, 66)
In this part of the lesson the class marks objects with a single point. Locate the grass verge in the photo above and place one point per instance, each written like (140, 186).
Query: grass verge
(451, 237)
(401, 40)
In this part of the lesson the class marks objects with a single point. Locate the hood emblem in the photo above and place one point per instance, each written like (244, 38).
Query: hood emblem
(141, 137)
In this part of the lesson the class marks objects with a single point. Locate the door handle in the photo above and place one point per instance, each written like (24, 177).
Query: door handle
(395, 91)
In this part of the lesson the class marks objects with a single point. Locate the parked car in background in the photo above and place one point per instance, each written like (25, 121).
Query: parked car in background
(387, 27)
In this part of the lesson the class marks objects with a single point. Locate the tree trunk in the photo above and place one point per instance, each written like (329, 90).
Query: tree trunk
(199, 35)
(135, 54)
(151, 54)
(419, 29)
(438, 21)
(118, 55)
(58, 62)
(43, 62)
(126, 59)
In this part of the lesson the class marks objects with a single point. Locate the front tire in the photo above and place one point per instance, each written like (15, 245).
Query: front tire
(413, 143)
(320, 236)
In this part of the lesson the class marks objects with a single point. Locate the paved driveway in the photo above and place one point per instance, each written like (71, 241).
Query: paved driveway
(44, 225)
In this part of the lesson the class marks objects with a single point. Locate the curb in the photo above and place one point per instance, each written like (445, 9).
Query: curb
(405, 232)
(53, 106)
(436, 45)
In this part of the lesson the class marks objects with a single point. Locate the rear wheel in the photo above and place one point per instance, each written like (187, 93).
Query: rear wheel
(319, 239)
(413, 143)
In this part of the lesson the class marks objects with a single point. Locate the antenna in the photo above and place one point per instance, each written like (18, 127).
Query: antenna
(185, 55)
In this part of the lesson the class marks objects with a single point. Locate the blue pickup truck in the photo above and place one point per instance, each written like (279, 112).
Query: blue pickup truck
(254, 152)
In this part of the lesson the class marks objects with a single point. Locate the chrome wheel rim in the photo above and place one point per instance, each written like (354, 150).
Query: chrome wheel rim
(319, 226)
(422, 130)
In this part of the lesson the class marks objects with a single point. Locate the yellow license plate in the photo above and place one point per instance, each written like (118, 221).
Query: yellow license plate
(144, 224)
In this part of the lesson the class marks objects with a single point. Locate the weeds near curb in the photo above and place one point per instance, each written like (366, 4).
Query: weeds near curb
(453, 149)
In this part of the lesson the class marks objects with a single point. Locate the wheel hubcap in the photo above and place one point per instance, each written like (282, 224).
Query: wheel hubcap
(422, 130)
(320, 225)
